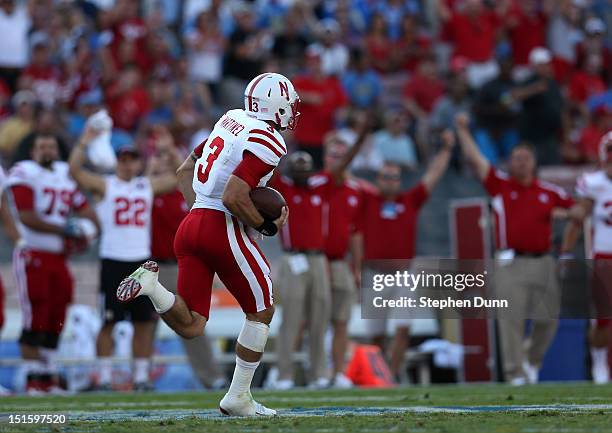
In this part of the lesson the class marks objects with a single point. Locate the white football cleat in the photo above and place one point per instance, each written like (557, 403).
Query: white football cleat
(244, 405)
(531, 372)
(141, 282)
(601, 373)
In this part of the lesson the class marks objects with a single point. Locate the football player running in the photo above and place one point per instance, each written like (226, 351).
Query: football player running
(595, 192)
(240, 154)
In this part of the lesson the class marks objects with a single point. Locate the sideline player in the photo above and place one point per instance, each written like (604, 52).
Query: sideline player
(44, 198)
(124, 202)
(242, 151)
(595, 199)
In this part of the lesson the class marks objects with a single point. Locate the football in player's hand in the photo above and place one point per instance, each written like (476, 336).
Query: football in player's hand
(268, 201)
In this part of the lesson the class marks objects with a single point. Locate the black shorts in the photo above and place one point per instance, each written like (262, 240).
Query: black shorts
(112, 272)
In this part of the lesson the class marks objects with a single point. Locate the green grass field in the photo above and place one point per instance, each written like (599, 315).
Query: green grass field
(454, 409)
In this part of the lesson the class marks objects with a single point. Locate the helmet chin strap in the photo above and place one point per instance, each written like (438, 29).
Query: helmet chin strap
(274, 125)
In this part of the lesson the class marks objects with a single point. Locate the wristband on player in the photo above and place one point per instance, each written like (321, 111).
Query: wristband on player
(268, 228)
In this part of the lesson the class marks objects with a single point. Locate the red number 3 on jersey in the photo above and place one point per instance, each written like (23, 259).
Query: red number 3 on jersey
(217, 146)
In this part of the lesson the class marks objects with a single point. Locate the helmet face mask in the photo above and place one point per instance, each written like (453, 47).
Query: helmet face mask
(295, 114)
(271, 97)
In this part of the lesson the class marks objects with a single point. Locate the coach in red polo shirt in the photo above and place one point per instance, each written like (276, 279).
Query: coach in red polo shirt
(388, 222)
(525, 272)
(341, 205)
(303, 280)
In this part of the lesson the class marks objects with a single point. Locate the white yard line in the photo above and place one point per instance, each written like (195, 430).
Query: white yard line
(157, 415)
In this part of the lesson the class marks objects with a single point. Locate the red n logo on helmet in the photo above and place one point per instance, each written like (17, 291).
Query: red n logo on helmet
(284, 89)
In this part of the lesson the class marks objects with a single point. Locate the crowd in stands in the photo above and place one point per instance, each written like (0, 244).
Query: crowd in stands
(535, 70)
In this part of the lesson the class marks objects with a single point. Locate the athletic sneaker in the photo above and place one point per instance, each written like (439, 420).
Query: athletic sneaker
(532, 373)
(244, 405)
(143, 386)
(601, 373)
(342, 382)
(282, 385)
(141, 282)
(320, 383)
(219, 384)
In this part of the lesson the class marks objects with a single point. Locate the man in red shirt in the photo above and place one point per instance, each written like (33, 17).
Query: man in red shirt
(303, 281)
(525, 271)
(586, 81)
(321, 96)
(423, 89)
(388, 222)
(473, 32)
(341, 203)
(526, 25)
(128, 100)
(41, 75)
(591, 135)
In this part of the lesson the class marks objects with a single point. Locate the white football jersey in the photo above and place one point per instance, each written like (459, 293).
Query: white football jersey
(597, 186)
(235, 133)
(125, 219)
(55, 195)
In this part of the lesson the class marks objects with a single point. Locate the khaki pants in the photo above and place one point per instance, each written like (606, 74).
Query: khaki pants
(305, 295)
(531, 287)
(343, 290)
(199, 350)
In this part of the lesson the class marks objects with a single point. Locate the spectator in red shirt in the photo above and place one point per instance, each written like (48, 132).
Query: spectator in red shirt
(526, 25)
(41, 76)
(473, 32)
(586, 81)
(388, 222)
(127, 99)
(525, 272)
(423, 89)
(591, 135)
(378, 45)
(126, 35)
(80, 72)
(412, 46)
(321, 97)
